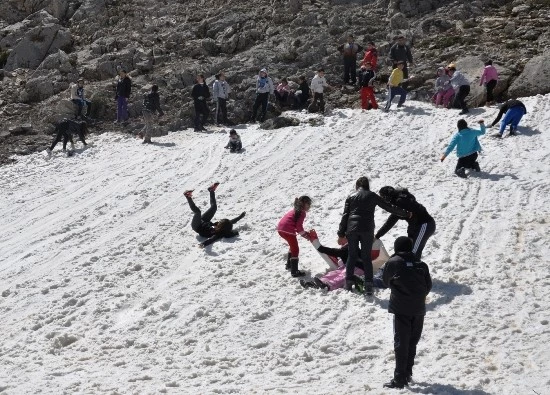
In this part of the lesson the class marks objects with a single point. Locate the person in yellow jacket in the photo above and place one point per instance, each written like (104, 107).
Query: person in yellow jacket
(394, 88)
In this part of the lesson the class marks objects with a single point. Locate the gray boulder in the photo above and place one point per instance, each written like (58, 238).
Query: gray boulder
(279, 122)
(399, 22)
(535, 78)
(36, 44)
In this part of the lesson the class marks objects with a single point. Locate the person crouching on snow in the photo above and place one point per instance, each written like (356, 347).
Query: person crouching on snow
(202, 223)
(234, 144)
(467, 146)
(291, 224)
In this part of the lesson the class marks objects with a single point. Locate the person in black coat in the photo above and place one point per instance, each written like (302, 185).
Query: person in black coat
(357, 226)
(421, 226)
(202, 223)
(410, 282)
(401, 52)
(200, 93)
(302, 93)
(151, 105)
(123, 91)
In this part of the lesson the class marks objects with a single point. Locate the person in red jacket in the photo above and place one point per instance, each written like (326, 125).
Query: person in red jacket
(291, 224)
(371, 56)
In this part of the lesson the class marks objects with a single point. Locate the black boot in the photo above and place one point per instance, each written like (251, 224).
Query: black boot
(320, 284)
(308, 284)
(287, 266)
(369, 288)
(461, 172)
(294, 272)
(394, 384)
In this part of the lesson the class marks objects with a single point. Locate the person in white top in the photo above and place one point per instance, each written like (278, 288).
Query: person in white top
(318, 85)
(220, 92)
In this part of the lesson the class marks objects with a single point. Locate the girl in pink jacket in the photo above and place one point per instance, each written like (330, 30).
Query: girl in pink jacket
(490, 79)
(291, 224)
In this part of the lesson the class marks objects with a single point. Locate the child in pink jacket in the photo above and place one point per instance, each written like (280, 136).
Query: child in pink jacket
(291, 224)
(490, 79)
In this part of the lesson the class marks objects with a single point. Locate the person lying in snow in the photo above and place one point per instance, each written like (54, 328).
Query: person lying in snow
(336, 279)
(202, 223)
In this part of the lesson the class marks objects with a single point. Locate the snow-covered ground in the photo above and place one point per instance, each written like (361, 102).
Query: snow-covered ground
(105, 291)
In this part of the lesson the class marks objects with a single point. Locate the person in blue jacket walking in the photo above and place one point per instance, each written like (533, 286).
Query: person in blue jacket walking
(467, 146)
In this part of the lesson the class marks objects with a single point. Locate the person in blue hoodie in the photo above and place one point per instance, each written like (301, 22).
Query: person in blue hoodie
(467, 146)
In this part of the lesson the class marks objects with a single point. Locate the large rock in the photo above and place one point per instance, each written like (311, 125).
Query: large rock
(279, 122)
(535, 78)
(36, 43)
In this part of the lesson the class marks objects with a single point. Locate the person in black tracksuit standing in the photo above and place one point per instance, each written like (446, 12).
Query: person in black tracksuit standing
(410, 282)
(200, 93)
(421, 224)
(357, 226)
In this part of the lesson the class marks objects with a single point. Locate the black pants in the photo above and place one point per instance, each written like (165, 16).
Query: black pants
(201, 114)
(420, 235)
(407, 330)
(221, 110)
(460, 97)
(261, 99)
(490, 87)
(467, 162)
(319, 100)
(235, 146)
(67, 136)
(350, 70)
(354, 239)
(200, 220)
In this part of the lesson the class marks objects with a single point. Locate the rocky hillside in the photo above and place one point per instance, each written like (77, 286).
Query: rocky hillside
(46, 44)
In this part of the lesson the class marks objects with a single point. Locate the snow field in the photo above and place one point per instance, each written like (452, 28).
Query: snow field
(105, 291)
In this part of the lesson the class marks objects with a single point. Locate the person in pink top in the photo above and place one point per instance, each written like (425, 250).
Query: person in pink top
(291, 224)
(489, 78)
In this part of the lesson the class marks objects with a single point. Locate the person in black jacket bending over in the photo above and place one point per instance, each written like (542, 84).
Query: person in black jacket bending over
(421, 224)
(410, 282)
(65, 130)
(202, 223)
(357, 225)
(200, 93)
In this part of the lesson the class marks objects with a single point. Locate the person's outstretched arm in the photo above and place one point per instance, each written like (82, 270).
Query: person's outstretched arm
(344, 221)
(210, 240)
(390, 223)
(237, 219)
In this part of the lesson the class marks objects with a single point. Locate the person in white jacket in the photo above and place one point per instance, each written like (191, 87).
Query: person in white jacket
(220, 92)
(264, 87)
(461, 86)
(78, 97)
(318, 85)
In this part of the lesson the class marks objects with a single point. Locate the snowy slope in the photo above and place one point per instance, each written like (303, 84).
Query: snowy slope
(104, 289)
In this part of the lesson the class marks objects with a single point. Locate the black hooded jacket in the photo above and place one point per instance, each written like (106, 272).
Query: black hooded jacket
(409, 281)
(359, 212)
(407, 201)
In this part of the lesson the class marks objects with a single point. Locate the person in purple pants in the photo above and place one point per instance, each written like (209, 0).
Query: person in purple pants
(123, 90)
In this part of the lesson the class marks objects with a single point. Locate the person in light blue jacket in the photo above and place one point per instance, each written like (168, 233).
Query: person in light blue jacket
(467, 146)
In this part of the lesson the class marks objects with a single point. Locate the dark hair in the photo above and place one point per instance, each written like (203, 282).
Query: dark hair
(461, 124)
(284, 79)
(362, 182)
(489, 62)
(299, 203)
(201, 75)
(223, 226)
(302, 78)
(387, 192)
(403, 244)
(371, 43)
(217, 76)
(232, 131)
(155, 88)
(123, 71)
(321, 70)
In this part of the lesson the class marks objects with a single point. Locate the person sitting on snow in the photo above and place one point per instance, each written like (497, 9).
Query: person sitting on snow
(234, 144)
